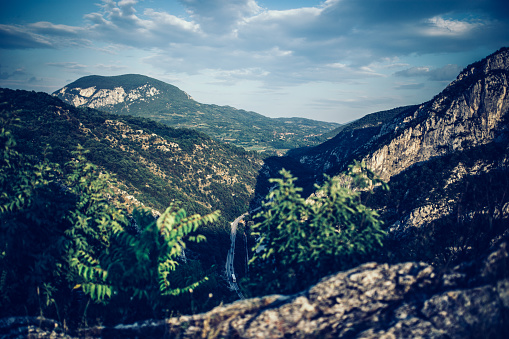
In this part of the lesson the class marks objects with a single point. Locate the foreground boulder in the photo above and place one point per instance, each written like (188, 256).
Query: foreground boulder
(374, 300)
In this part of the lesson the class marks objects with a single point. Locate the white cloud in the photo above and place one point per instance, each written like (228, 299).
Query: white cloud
(110, 68)
(119, 23)
(41, 35)
(79, 68)
(409, 86)
(161, 21)
(19, 37)
(413, 71)
(220, 16)
(237, 74)
(44, 27)
(335, 43)
(451, 28)
(68, 65)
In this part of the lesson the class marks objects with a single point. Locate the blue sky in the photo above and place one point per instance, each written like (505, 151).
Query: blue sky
(331, 60)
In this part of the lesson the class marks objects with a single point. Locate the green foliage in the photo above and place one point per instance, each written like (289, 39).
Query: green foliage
(140, 265)
(27, 262)
(175, 108)
(302, 240)
(60, 234)
(199, 172)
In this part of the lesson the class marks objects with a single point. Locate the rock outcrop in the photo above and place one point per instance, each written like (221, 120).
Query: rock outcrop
(90, 97)
(471, 111)
(406, 300)
(437, 157)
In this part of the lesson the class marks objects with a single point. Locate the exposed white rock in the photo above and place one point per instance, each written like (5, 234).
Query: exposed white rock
(79, 101)
(97, 98)
(86, 92)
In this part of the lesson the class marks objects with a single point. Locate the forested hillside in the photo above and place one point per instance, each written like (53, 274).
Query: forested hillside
(152, 162)
(149, 165)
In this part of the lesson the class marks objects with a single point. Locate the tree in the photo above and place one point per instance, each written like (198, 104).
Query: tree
(301, 240)
(61, 234)
(140, 265)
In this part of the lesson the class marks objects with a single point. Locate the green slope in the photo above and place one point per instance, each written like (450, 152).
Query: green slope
(153, 162)
(171, 106)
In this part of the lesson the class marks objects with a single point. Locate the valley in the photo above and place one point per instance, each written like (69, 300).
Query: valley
(137, 95)
(444, 219)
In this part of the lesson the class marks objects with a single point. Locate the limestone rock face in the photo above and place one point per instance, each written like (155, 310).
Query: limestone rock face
(461, 135)
(471, 111)
(97, 98)
(405, 300)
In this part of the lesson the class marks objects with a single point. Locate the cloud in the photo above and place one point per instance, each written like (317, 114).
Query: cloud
(15, 73)
(445, 73)
(220, 16)
(413, 71)
(44, 27)
(41, 35)
(438, 26)
(75, 67)
(412, 86)
(337, 41)
(119, 23)
(34, 80)
(110, 68)
(356, 32)
(68, 65)
(19, 37)
(361, 102)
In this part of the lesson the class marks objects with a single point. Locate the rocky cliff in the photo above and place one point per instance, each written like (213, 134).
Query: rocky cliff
(406, 300)
(93, 98)
(471, 111)
(446, 161)
(117, 93)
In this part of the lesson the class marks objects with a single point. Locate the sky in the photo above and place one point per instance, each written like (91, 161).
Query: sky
(328, 60)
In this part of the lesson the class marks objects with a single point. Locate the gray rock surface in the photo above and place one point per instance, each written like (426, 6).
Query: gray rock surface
(471, 111)
(407, 300)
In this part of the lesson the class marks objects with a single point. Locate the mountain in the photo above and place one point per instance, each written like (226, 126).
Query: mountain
(153, 163)
(446, 161)
(368, 124)
(143, 96)
(443, 270)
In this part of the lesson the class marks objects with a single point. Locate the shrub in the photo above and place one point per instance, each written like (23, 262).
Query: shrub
(60, 236)
(139, 268)
(301, 240)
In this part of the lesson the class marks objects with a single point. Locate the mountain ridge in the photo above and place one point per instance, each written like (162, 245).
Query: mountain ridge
(140, 95)
(442, 160)
(177, 159)
(406, 122)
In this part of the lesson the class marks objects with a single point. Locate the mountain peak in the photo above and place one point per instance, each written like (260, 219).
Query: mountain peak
(498, 61)
(139, 95)
(97, 91)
